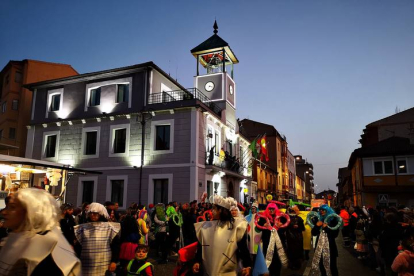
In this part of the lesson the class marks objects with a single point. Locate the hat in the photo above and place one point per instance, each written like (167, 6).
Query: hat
(224, 202)
(255, 205)
(188, 253)
(98, 208)
(151, 206)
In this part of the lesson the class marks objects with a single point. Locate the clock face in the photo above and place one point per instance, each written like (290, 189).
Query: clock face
(231, 90)
(209, 86)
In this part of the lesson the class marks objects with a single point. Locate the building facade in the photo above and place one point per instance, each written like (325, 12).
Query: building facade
(304, 170)
(16, 101)
(383, 173)
(152, 139)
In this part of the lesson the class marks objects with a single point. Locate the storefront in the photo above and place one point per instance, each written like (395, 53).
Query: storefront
(20, 173)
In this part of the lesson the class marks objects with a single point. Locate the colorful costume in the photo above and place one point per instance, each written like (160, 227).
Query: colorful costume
(142, 227)
(326, 252)
(273, 241)
(254, 234)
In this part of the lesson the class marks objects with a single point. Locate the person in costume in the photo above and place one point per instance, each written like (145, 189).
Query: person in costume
(98, 233)
(161, 230)
(294, 238)
(129, 238)
(35, 245)
(142, 226)
(139, 265)
(222, 242)
(185, 262)
(174, 226)
(254, 234)
(326, 252)
(273, 240)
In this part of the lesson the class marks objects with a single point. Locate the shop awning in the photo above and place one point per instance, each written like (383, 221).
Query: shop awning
(7, 159)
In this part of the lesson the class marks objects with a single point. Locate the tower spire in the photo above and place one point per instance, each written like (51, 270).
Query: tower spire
(215, 27)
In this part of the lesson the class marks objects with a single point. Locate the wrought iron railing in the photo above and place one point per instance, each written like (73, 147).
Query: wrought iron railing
(183, 95)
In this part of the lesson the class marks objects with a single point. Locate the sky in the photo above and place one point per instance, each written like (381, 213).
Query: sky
(317, 70)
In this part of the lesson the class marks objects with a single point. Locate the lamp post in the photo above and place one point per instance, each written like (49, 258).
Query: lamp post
(145, 116)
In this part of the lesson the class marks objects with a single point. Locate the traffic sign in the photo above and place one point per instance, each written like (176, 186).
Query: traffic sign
(383, 198)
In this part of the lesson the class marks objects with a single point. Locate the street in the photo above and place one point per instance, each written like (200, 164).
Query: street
(347, 265)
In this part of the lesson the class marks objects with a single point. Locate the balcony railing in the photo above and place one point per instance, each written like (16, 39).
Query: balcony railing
(183, 95)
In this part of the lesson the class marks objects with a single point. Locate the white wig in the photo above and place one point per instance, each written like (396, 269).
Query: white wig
(42, 210)
(96, 207)
(239, 214)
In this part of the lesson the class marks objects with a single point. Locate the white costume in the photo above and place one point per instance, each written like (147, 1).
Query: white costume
(23, 251)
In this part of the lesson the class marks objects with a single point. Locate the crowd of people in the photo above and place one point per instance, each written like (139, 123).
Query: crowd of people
(217, 237)
(382, 237)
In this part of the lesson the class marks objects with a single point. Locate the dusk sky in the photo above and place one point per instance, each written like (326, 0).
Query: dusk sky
(319, 71)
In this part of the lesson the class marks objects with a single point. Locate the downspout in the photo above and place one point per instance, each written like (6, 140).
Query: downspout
(395, 170)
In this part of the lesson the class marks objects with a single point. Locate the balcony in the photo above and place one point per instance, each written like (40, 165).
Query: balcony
(183, 95)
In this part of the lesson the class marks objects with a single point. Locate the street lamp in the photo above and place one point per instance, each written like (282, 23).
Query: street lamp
(145, 116)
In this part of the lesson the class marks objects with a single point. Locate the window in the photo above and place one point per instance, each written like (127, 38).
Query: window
(162, 141)
(162, 136)
(217, 142)
(95, 97)
(119, 145)
(55, 102)
(18, 77)
(12, 133)
(7, 79)
(122, 93)
(120, 141)
(3, 107)
(112, 92)
(87, 191)
(161, 191)
(1, 134)
(230, 147)
(116, 189)
(402, 166)
(209, 138)
(15, 104)
(90, 142)
(50, 145)
(383, 167)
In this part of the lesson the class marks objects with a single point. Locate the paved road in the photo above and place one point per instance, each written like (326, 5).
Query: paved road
(348, 265)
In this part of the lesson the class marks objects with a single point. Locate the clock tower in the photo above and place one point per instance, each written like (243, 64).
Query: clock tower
(216, 81)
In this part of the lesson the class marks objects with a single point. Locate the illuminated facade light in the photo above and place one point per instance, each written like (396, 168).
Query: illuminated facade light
(153, 113)
(171, 111)
(98, 120)
(44, 125)
(70, 123)
(111, 118)
(28, 127)
(128, 116)
(58, 123)
(83, 121)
